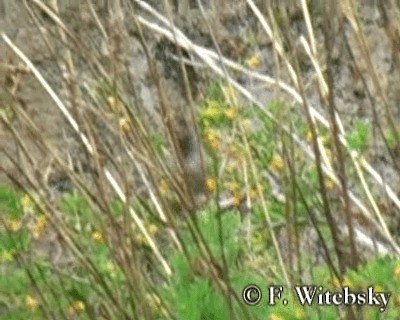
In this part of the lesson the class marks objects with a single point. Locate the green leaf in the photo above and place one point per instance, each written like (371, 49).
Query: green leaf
(358, 138)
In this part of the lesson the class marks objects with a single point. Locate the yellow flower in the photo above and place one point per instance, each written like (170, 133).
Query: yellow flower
(111, 268)
(236, 151)
(275, 316)
(26, 201)
(7, 255)
(253, 61)
(211, 112)
(141, 239)
(346, 282)
(329, 184)
(39, 226)
(277, 163)
(237, 197)
(213, 104)
(231, 167)
(206, 123)
(212, 138)
(98, 237)
(31, 303)
(247, 124)
(299, 313)
(14, 224)
(396, 270)
(124, 124)
(163, 187)
(211, 184)
(253, 194)
(76, 306)
(257, 239)
(324, 139)
(114, 104)
(336, 283)
(232, 186)
(378, 288)
(309, 136)
(152, 228)
(230, 113)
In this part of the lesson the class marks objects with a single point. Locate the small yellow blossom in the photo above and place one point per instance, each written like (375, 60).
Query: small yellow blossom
(257, 239)
(98, 237)
(233, 148)
(253, 62)
(110, 267)
(141, 239)
(247, 124)
(277, 163)
(76, 307)
(230, 113)
(299, 313)
(275, 316)
(237, 197)
(231, 167)
(347, 282)
(378, 288)
(14, 224)
(124, 124)
(163, 187)
(396, 271)
(212, 138)
(336, 283)
(206, 123)
(114, 104)
(212, 103)
(212, 112)
(329, 184)
(6, 255)
(26, 201)
(152, 228)
(253, 194)
(211, 184)
(309, 136)
(237, 152)
(232, 186)
(323, 139)
(31, 303)
(39, 226)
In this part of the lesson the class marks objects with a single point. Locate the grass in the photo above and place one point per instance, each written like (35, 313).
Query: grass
(288, 198)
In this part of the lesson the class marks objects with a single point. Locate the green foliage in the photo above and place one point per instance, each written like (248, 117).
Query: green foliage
(358, 138)
(192, 292)
(9, 201)
(391, 138)
(7, 113)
